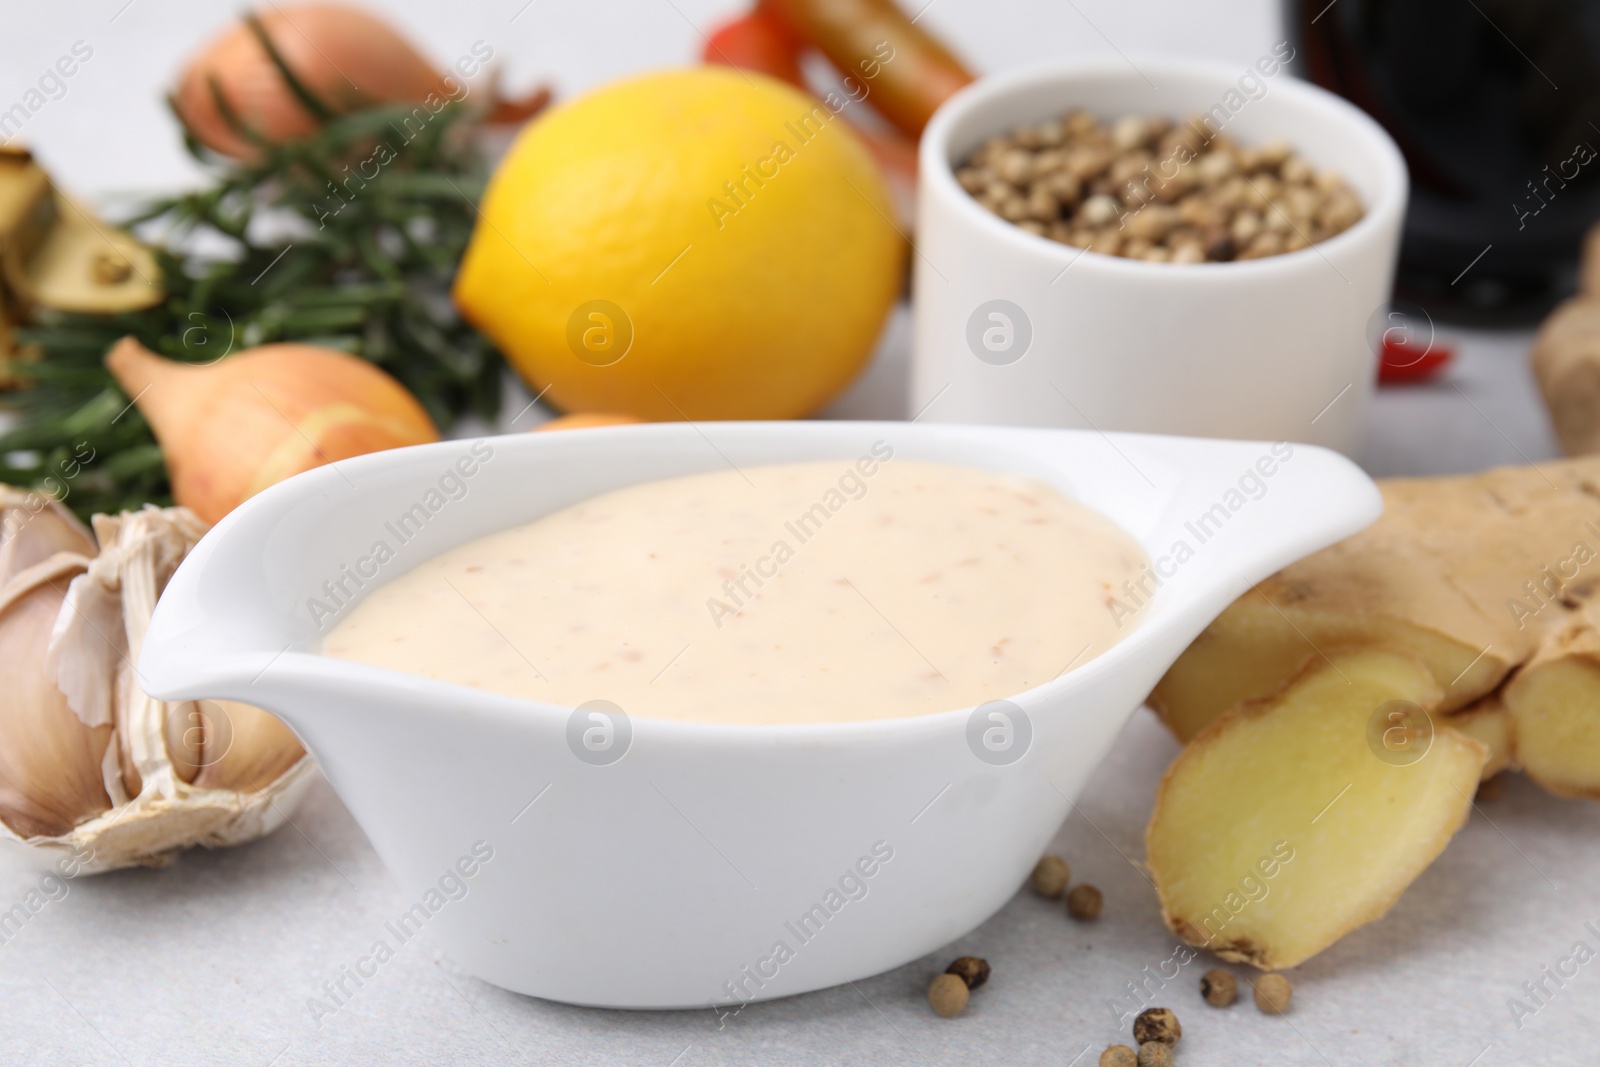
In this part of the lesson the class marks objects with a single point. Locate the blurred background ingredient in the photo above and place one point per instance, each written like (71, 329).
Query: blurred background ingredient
(346, 235)
(693, 244)
(584, 420)
(857, 36)
(233, 95)
(230, 429)
(57, 256)
(1493, 105)
(1566, 359)
(280, 74)
(870, 53)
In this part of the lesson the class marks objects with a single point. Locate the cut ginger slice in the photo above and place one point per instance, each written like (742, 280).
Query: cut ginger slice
(1555, 706)
(1489, 721)
(1265, 637)
(1469, 573)
(1293, 820)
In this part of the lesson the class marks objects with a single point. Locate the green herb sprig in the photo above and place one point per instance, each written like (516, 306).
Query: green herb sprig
(349, 239)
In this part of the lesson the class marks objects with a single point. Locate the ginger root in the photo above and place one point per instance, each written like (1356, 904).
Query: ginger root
(1566, 358)
(1291, 821)
(1489, 722)
(1566, 362)
(1473, 575)
(1554, 703)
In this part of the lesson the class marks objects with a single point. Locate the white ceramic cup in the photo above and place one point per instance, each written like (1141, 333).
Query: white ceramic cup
(1016, 329)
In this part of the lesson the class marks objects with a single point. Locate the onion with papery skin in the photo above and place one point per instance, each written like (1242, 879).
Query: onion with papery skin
(230, 429)
(344, 56)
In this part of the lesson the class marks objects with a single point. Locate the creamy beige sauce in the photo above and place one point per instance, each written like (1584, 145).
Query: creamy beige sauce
(809, 592)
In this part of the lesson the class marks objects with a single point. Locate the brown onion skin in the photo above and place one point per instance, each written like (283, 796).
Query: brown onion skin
(230, 429)
(343, 55)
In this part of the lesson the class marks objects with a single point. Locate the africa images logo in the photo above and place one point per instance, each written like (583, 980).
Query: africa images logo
(999, 332)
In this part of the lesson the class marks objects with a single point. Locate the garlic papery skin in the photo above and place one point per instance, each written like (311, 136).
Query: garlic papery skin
(232, 428)
(35, 526)
(174, 774)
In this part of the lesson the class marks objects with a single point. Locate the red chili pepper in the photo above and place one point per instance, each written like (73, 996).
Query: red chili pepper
(762, 41)
(911, 71)
(758, 42)
(1406, 362)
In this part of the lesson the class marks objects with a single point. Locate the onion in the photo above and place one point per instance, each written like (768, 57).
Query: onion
(228, 430)
(345, 57)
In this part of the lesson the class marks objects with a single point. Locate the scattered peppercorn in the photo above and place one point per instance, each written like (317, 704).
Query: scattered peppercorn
(1273, 992)
(1146, 188)
(1118, 1056)
(1084, 902)
(948, 995)
(973, 970)
(1219, 988)
(1157, 1024)
(1154, 1054)
(1050, 876)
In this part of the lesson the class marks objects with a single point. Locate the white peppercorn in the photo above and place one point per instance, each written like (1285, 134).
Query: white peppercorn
(1100, 211)
(948, 995)
(1147, 188)
(1118, 1056)
(1154, 1054)
(1273, 993)
(1050, 876)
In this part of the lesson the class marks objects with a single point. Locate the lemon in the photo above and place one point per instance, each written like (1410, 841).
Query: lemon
(690, 244)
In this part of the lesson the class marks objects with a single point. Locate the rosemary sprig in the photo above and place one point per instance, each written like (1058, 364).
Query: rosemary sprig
(349, 238)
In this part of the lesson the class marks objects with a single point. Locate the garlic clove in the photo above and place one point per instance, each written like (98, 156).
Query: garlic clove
(175, 775)
(34, 527)
(187, 726)
(230, 429)
(245, 749)
(141, 551)
(88, 645)
(50, 761)
(221, 744)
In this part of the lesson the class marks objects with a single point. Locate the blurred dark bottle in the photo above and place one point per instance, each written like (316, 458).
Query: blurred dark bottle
(1496, 105)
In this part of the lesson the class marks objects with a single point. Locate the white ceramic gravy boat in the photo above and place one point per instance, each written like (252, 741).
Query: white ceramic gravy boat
(710, 864)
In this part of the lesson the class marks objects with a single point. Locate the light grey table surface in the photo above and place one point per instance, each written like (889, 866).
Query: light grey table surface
(213, 959)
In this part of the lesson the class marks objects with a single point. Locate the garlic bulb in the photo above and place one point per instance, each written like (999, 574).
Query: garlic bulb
(49, 759)
(89, 765)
